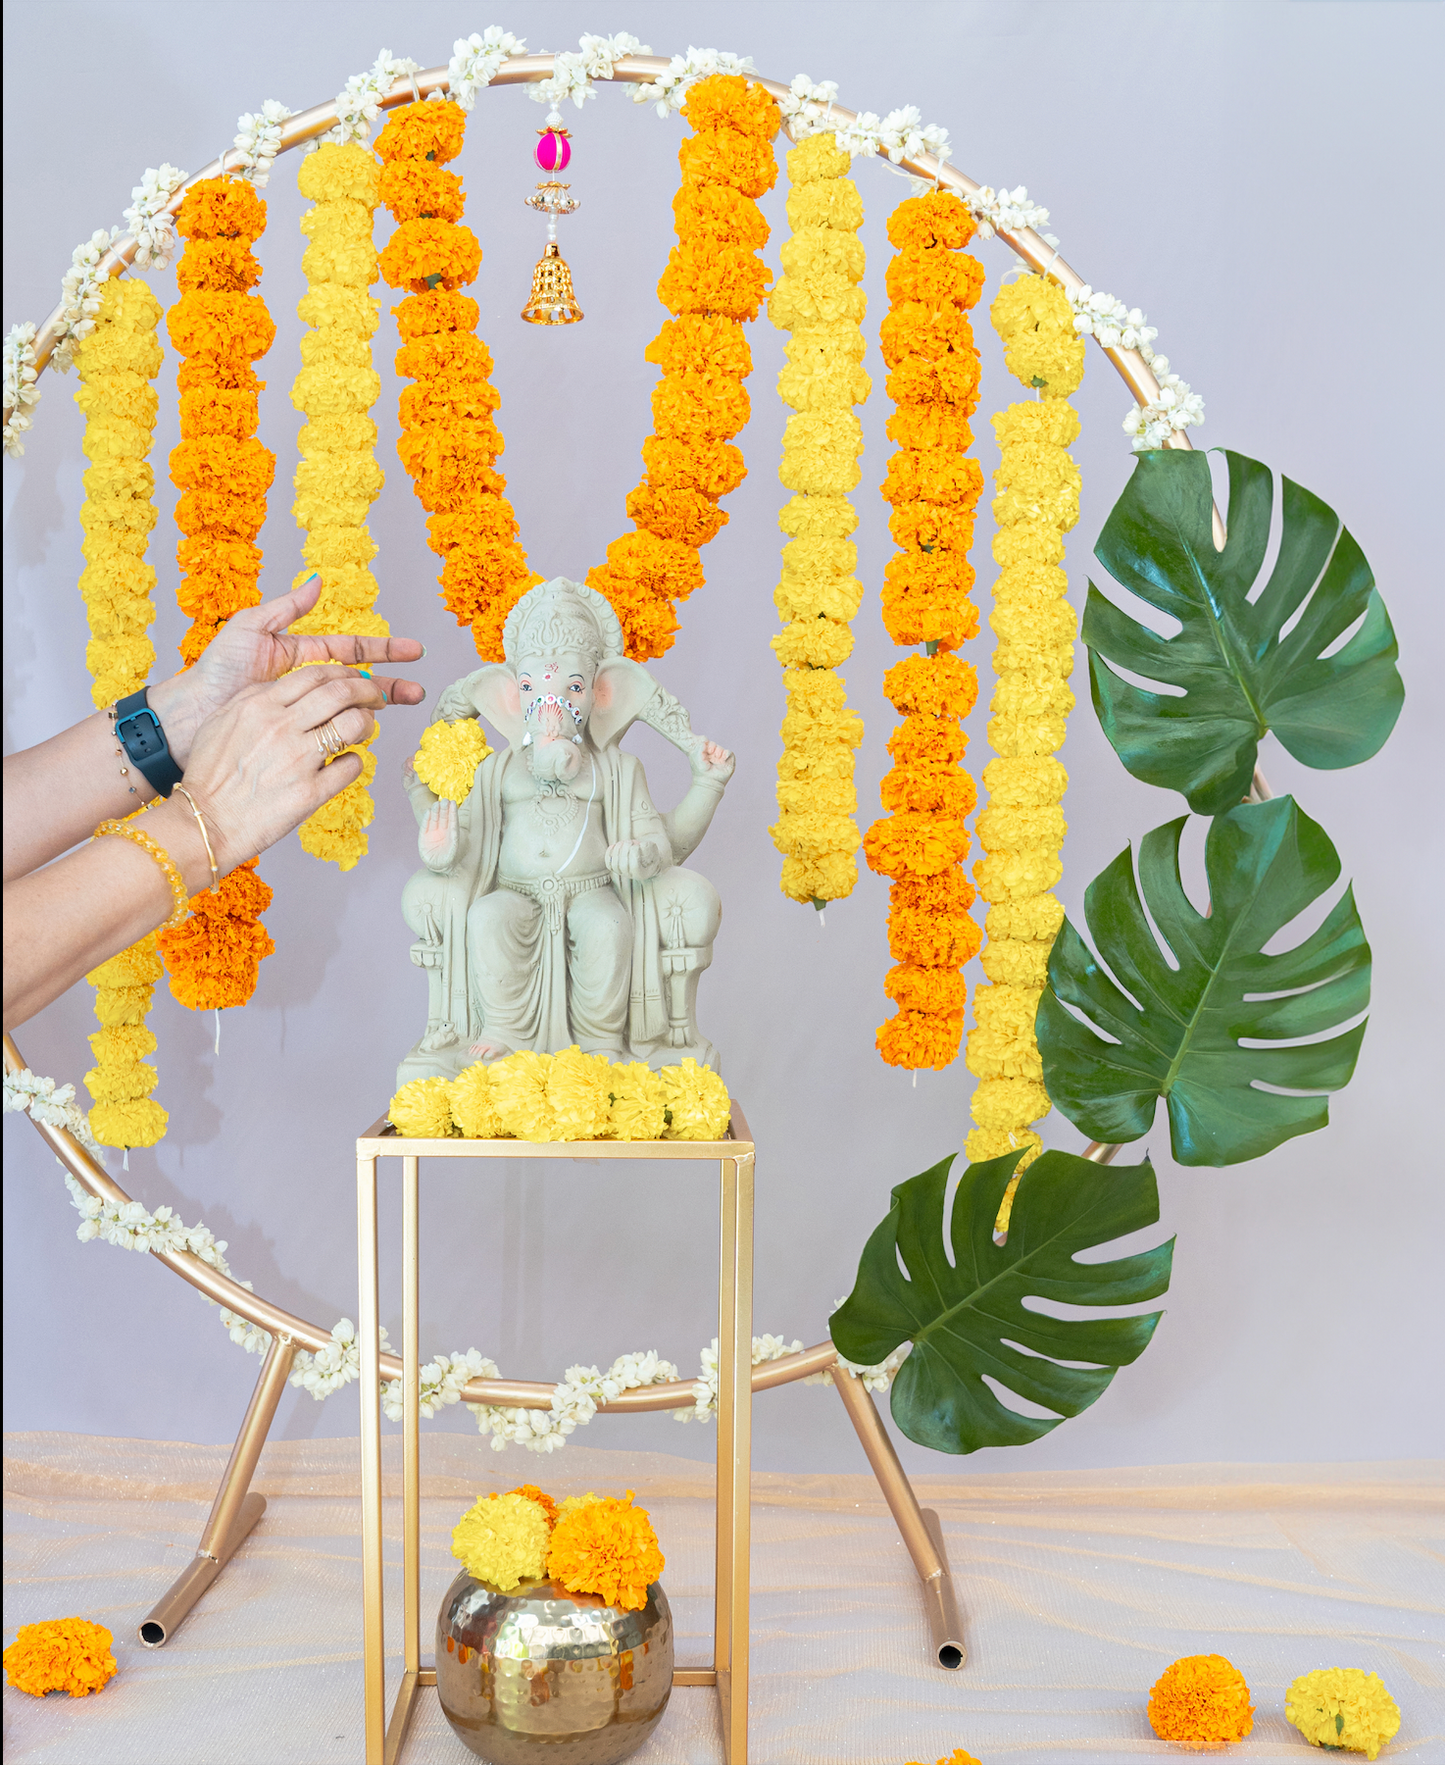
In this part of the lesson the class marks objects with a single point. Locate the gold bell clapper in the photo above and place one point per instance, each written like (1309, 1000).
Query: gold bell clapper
(552, 300)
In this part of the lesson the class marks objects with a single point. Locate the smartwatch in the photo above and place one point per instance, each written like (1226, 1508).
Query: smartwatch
(139, 732)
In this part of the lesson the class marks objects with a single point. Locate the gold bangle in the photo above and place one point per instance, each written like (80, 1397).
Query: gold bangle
(154, 849)
(201, 823)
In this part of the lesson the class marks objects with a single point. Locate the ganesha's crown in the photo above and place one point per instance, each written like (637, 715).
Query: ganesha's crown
(561, 618)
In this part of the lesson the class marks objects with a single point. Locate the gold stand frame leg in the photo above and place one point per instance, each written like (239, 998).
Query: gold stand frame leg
(919, 1527)
(734, 1455)
(368, 1326)
(235, 1510)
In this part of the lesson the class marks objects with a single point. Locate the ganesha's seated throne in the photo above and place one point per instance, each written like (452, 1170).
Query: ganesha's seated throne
(552, 907)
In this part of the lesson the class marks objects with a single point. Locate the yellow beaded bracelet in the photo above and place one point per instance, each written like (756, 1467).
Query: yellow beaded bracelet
(127, 831)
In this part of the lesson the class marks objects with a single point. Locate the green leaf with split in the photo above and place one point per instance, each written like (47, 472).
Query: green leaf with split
(1240, 667)
(968, 1315)
(1176, 1026)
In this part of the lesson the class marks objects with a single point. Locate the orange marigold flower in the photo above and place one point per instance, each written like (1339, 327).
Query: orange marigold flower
(712, 467)
(703, 343)
(218, 515)
(475, 575)
(430, 254)
(218, 410)
(918, 329)
(60, 1654)
(928, 921)
(935, 219)
(932, 686)
(703, 276)
(950, 379)
(423, 131)
(543, 1501)
(489, 517)
(676, 513)
(919, 617)
(436, 402)
(215, 958)
(932, 474)
(914, 844)
(657, 566)
(243, 469)
(727, 156)
(488, 624)
(945, 575)
(1202, 1700)
(927, 741)
(916, 1039)
(609, 1548)
(221, 208)
(935, 277)
(708, 405)
(956, 1757)
(226, 325)
(937, 991)
(421, 190)
(227, 265)
(439, 310)
(925, 527)
(721, 212)
(930, 425)
(456, 354)
(648, 622)
(934, 790)
(730, 101)
(208, 369)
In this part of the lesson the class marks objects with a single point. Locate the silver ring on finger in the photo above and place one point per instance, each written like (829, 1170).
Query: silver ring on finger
(329, 739)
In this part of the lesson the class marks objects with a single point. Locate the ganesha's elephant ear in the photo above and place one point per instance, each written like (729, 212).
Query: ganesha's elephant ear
(492, 691)
(620, 692)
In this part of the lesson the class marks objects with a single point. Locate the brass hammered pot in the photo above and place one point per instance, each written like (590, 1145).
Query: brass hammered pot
(543, 1674)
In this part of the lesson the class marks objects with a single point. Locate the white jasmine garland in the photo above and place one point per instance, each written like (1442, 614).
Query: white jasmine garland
(358, 103)
(21, 395)
(669, 91)
(259, 139)
(149, 220)
(475, 61)
(807, 106)
(80, 291)
(1003, 211)
(1175, 408)
(575, 69)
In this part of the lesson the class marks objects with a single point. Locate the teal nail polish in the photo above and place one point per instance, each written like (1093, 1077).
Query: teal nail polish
(315, 576)
(365, 671)
(422, 656)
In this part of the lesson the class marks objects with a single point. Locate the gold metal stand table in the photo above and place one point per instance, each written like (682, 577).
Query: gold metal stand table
(728, 1672)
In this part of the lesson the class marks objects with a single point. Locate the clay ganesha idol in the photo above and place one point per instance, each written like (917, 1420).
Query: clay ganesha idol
(552, 907)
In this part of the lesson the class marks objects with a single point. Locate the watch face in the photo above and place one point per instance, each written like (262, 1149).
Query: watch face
(141, 733)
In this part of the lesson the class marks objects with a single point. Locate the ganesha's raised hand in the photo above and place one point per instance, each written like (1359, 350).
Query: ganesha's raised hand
(713, 764)
(439, 836)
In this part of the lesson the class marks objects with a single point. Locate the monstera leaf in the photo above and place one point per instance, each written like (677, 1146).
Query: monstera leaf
(1242, 672)
(968, 1316)
(1178, 1030)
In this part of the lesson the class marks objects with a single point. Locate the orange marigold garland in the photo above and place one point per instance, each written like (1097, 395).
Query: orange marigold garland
(221, 469)
(714, 280)
(450, 441)
(339, 478)
(928, 345)
(214, 958)
(1022, 827)
(60, 1654)
(116, 363)
(818, 300)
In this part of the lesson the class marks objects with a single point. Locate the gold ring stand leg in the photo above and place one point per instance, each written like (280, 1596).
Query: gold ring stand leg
(728, 1671)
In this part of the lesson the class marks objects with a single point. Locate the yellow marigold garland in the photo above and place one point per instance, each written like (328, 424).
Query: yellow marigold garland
(818, 300)
(116, 363)
(124, 1113)
(221, 469)
(215, 957)
(566, 1096)
(449, 440)
(715, 279)
(921, 844)
(1022, 828)
(60, 1654)
(338, 477)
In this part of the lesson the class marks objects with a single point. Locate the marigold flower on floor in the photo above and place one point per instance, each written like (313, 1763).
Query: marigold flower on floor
(606, 1547)
(1202, 1700)
(1343, 1708)
(60, 1654)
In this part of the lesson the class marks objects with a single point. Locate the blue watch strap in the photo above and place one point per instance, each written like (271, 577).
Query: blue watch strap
(139, 732)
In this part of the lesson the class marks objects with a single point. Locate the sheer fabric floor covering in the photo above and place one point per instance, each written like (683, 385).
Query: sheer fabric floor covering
(1078, 1589)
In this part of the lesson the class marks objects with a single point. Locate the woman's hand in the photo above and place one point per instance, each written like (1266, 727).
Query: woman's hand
(254, 647)
(257, 767)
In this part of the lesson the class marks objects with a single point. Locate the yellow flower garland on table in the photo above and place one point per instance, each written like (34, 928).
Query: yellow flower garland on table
(116, 363)
(220, 467)
(921, 844)
(818, 300)
(715, 278)
(566, 1096)
(1023, 827)
(124, 1113)
(449, 440)
(338, 478)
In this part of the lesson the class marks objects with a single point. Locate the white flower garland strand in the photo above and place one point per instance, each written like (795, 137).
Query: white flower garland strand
(668, 92)
(21, 393)
(1117, 326)
(575, 1399)
(259, 139)
(358, 103)
(475, 61)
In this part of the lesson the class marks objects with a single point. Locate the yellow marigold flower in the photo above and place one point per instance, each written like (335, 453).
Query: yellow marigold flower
(1343, 1708)
(1041, 347)
(138, 1122)
(1202, 1700)
(578, 1086)
(503, 1540)
(636, 1101)
(519, 1094)
(829, 877)
(1013, 963)
(422, 1110)
(473, 1109)
(1042, 733)
(818, 642)
(695, 1102)
(542, 1499)
(450, 753)
(819, 156)
(982, 1144)
(807, 517)
(1002, 1046)
(60, 1654)
(1003, 1103)
(606, 1547)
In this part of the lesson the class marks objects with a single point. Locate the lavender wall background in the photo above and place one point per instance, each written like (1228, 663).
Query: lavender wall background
(1244, 172)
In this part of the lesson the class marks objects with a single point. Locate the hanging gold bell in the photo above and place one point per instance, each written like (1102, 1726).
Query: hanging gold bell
(552, 301)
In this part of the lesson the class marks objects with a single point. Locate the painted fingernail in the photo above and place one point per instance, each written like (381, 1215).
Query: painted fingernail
(315, 576)
(422, 656)
(364, 671)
